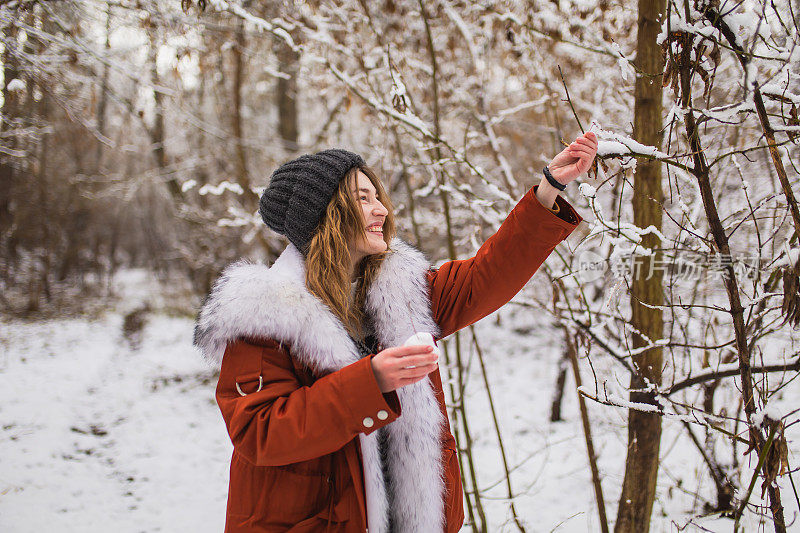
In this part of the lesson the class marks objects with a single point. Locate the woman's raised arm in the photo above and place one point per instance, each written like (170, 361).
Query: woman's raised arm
(464, 291)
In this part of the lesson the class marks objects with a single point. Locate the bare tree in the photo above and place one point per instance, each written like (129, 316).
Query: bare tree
(644, 429)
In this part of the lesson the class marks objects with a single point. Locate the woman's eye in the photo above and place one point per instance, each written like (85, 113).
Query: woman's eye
(363, 197)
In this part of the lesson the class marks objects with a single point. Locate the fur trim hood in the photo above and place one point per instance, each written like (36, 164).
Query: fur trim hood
(251, 299)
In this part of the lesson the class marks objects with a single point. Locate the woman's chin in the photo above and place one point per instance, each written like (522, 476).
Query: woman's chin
(378, 249)
(377, 244)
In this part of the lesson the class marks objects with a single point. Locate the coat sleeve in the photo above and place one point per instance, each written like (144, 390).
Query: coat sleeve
(464, 291)
(285, 422)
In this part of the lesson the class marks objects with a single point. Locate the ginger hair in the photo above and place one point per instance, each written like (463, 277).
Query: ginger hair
(328, 259)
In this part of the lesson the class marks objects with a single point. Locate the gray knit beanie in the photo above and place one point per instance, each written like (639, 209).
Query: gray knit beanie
(299, 191)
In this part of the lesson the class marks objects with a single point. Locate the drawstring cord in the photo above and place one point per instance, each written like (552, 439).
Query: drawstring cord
(330, 503)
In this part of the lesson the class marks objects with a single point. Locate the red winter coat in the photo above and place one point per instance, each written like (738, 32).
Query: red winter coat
(302, 408)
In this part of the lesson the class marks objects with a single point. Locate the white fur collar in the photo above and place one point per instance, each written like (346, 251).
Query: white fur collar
(255, 300)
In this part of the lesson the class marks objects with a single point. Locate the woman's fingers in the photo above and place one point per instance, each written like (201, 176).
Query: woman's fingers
(416, 373)
(582, 153)
(403, 365)
(583, 145)
(585, 151)
(412, 349)
(585, 140)
(575, 158)
(405, 382)
(417, 366)
(405, 376)
(408, 381)
(581, 148)
(417, 360)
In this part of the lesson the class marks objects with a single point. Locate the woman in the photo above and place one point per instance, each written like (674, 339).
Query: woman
(336, 426)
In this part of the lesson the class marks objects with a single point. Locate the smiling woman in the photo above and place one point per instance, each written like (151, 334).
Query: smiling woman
(343, 249)
(337, 425)
(374, 213)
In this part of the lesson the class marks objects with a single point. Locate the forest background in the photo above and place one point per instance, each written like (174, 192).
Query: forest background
(645, 379)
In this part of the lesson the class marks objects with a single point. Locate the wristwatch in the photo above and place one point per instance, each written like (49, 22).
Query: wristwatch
(552, 180)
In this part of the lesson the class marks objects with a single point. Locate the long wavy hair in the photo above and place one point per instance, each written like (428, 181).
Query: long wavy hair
(328, 259)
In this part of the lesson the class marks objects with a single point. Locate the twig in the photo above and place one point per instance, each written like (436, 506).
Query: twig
(587, 434)
(496, 429)
(710, 376)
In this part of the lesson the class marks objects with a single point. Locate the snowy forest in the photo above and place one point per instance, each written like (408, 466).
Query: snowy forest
(645, 378)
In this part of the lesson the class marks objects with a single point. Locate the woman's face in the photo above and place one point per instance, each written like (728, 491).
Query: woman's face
(374, 214)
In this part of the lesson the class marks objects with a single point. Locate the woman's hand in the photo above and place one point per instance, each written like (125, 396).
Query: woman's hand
(568, 165)
(575, 159)
(403, 365)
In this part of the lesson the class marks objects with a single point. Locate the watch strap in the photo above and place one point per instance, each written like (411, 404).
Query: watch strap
(552, 180)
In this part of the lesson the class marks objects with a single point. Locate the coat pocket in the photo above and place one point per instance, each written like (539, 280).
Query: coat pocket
(278, 496)
(298, 494)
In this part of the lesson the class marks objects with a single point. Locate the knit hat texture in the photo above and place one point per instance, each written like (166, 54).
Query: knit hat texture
(299, 191)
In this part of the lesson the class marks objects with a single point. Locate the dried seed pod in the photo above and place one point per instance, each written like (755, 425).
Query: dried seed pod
(715, 55)
(790, 308)
(665, 80)
(793, 121)
(399, 103)
(777, 460)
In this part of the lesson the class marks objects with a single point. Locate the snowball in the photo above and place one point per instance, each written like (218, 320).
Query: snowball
(423, 337)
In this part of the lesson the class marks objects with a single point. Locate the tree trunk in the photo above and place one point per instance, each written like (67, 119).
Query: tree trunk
(644, 429)
(49, 241)
(286, 97)
(558, 393)
(101, 104)
(204, 80)
(249, 198)
(157, 131)
(7, 174)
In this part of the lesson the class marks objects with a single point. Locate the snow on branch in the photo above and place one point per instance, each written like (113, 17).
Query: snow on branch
(223, 186)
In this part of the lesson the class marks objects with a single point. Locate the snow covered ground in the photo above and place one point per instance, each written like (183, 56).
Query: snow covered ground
(97, 436)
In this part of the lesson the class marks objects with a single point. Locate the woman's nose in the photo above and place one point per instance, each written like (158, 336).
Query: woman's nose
(380, 208)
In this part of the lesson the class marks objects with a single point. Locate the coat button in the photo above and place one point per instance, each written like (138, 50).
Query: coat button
(368, 422)
(383, 415)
